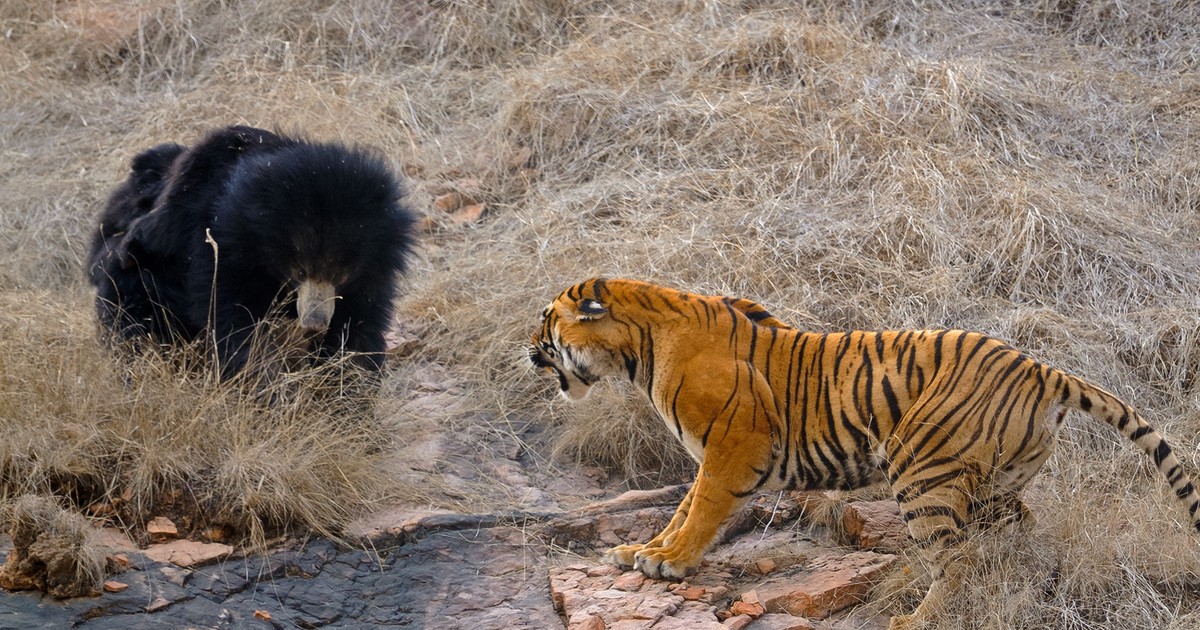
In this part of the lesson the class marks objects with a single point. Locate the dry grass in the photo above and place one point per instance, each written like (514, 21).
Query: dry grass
(130, 440)
(51, 549)
(1027, 169)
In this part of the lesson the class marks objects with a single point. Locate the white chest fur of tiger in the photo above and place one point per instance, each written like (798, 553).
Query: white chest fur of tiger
(956, 422)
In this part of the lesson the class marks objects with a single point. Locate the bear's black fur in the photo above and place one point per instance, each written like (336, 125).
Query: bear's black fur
(135, 290)
(208, 240)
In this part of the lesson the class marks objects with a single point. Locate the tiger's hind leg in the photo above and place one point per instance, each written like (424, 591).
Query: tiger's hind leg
(624, 555)
(937, 518)
(1002, 510)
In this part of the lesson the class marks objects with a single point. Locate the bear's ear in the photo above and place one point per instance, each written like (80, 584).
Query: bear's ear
(128, 251)
(590, 309)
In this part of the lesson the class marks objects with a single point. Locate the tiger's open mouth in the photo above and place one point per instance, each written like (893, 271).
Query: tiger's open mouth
(541, 361)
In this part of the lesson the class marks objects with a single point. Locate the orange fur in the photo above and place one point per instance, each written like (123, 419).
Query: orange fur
(956, 422)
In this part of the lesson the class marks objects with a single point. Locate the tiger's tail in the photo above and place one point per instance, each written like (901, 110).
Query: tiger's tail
(1104, 406)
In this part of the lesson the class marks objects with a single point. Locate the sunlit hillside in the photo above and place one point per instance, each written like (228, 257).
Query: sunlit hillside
(1028, 169)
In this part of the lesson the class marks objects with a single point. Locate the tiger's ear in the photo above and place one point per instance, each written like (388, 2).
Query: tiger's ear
(590, 309)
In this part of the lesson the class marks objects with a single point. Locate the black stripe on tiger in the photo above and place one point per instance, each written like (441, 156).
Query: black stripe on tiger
(957, 422)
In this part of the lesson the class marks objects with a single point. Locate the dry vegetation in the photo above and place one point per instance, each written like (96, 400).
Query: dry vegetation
(1029, 169)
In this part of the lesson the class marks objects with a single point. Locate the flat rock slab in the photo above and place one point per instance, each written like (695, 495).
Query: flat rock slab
(435, 570)
(826, 585)
(187, 553)
(488, 578)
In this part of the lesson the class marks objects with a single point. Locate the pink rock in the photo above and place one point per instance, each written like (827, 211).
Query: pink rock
(157, 604)
(587, 622)
(875, 525)
(764, 565)
(161, 528)
(113, 539)
(563, 580)
(631, 624)
(187, 553)
(830, 584)
(602, 570)
(778, 621)
(468, 213)
(630, 582)
(752, 610)
(694, 621)
(739, 622)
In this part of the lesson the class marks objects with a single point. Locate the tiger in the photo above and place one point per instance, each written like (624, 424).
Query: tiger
(955, 422)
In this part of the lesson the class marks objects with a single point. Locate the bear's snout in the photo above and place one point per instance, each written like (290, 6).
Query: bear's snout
(315, 302)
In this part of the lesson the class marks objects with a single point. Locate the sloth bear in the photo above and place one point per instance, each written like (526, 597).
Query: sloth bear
(208, 240)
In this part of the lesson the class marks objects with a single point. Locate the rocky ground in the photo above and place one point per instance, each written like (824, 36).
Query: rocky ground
(446, 570)
(537, 568)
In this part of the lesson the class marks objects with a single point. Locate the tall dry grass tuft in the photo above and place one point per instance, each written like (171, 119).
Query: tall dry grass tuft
(52, 550)
(272, 452)
(1026, 169)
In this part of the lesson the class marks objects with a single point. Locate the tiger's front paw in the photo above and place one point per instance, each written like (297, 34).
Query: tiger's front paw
(666, 562)
(623, 555)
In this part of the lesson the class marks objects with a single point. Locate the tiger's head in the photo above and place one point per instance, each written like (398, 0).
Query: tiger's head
(579, 340)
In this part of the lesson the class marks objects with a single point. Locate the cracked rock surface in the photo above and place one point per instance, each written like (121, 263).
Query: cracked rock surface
(445, 570)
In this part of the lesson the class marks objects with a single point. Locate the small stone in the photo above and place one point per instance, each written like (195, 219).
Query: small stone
(175, 575)
(503, 566)
(629, 582)
(738, 622)
(608, 593)
(448, 202)
(692, 593)
(602, 570)
(113, 539)
(158, 604)
(468, 213)
(216, 533)
(161, 528)
(754, 611)
(427, 225)
(716, 592)
(764, 565)
(875, 525)
(117, 562)
(100, 509)
(187, 553)
(262, 614)
(590, 622)
(113, 586)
